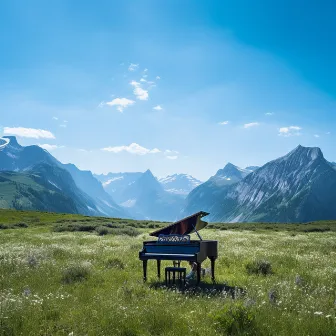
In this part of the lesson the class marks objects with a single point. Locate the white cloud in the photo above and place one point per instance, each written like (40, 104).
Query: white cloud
(157, 77)
(171, 157)
(141, 93)
(120, 103)
(133, 148)
(28, 132)
(269, 113)
(316, 136)
(138, 91)
(146, 70)
(289, 131)
(252, 124)
(135, 83)
(49, 147)
(55, 118)
(65, 121)
(133, 67)
(158, 108)
(143, 80)
(169, 151)
(63, 125)
(223, 122)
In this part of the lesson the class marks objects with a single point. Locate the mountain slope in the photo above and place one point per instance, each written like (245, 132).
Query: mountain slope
(91, 186)
(115, 183)
(181, 184)
(22, 191)
(21, 159)
(299, 187)
(145, 198)
(205, 195)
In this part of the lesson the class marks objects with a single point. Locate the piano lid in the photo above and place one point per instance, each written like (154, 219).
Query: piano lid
(184, 226)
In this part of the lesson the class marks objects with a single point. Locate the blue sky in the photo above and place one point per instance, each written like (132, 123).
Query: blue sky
(174, 86)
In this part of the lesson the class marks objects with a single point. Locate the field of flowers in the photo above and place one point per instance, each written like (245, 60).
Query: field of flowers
(55, 282)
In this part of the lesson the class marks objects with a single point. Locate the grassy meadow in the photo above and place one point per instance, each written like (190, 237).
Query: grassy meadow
(75, 275)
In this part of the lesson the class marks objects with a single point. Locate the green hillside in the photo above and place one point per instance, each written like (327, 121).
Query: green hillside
(58, 281)
(24, 191)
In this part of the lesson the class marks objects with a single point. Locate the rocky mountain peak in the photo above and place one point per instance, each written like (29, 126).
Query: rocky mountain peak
(301, 153)
(13, 142)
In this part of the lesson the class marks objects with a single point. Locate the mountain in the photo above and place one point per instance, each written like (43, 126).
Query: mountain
(115, 183)
(180, 184)
(15, 157)
(145, 198)
(203, 196)
(229, 174)
(298, 187)
(333, 164)
(91, 186)
(23, 192)
(87, 192)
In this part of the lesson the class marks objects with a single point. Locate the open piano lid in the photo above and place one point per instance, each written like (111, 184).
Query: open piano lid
(184, 226)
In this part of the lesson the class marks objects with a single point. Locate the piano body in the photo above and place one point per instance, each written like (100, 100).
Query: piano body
(174, 244)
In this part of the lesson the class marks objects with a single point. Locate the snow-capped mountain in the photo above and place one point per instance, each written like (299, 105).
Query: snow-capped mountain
(180, 184)
(229, 174)
(298, 187)
(145, 198)
(203, 196)
(116, 183)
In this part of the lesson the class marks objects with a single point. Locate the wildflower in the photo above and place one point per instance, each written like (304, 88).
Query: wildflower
(327, 316)
(318, 313)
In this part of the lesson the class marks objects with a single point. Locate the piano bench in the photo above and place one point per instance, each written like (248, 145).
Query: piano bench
(181, 274)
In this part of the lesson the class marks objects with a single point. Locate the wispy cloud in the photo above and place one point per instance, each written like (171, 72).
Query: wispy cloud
(290, 131)
(133, 148)
(269, 113)
(29, 132)
(157, 77)
(49, 147)
(252, 124)
(223, 122)
(133, 67)
(316, 136)
(169, 151)
(121, 103)
(158, 108)
(171, 157)
(63, 125)
(55, 118)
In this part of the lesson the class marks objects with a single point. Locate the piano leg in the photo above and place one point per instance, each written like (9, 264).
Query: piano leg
(159, 268)
(212, 259)
(198, 273)
(144, 265)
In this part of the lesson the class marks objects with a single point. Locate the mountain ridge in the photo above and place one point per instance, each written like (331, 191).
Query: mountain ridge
(295, 187)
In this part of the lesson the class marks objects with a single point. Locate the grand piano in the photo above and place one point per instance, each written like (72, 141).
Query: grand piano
(174, 244)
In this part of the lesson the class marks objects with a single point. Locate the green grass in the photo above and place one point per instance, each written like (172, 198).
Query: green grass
(59, 283)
